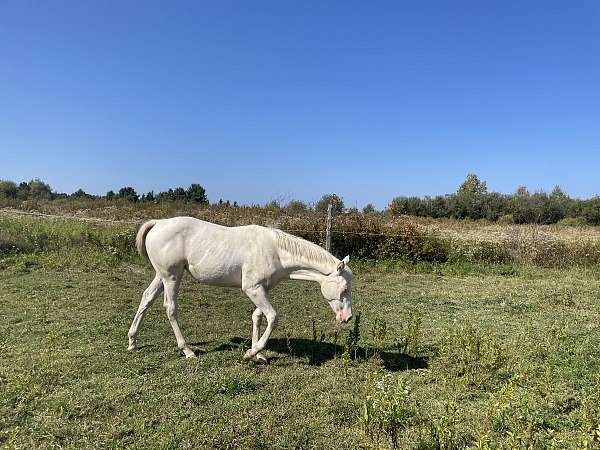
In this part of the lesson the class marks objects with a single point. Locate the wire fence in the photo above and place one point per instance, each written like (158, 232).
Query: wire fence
(419, 233)
(417, 244)
(141, 221)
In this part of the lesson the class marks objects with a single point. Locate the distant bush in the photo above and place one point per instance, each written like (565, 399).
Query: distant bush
(12, 244)
(506, 219)
(406, 241)
(295, 207)
(479, 251)
(572, 222)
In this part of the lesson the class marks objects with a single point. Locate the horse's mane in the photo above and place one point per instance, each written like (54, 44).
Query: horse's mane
(302, 249)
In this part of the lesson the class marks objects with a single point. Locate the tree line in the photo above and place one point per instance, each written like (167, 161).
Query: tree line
(36, 189)
(472, 200)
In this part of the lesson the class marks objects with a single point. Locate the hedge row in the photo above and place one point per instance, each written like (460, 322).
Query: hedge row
(359, 237)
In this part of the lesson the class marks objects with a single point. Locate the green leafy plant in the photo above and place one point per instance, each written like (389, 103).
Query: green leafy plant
(378, 333)
(471, 355)
(444, 428)
(409, 335)
(386, 407)
(351, 347)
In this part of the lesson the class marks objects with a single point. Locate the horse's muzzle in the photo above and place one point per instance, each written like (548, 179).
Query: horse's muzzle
(344, 318)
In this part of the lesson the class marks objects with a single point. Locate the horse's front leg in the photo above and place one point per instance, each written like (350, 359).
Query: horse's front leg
(259, 297)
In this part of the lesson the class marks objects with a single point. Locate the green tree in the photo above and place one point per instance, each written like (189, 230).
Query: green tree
(128, 193)
(494, 206)
(336, 201)
(39, 190)
(410, 206)
(590, 210)
(470, 198)
(273, 206)
(110, 195)
(80, 193)
(440, 205)
(165, 196)
(23, 191)
(197, 194)
(179, 194)
(521, 206)
(559, 204)
(296, 207)
(59, 195)
(8, 189)
(369, 208)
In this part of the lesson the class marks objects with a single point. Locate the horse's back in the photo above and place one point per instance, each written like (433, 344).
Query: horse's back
(213, 254)
(171, 240)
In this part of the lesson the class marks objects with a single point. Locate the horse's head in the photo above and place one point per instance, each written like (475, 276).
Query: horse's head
(337, 290)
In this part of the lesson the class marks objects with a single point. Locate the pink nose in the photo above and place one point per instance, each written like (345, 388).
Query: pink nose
(343, 318)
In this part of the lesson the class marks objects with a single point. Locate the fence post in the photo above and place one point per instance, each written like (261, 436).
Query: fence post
(328, 239)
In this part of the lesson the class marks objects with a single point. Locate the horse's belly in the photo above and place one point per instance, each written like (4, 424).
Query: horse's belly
(217, 275)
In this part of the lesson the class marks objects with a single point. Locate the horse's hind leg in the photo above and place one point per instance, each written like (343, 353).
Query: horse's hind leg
(148, 298)
(256, 321)
(171, 289)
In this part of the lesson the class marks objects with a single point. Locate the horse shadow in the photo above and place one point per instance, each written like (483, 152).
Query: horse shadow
(319, 352)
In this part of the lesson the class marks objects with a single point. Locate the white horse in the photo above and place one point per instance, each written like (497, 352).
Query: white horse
(252, 257)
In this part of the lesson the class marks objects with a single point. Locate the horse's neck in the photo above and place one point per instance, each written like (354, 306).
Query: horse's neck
(302, 269)
(313, 264)
(307, 275)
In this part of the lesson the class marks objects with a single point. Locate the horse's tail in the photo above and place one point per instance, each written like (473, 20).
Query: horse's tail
(140, 239)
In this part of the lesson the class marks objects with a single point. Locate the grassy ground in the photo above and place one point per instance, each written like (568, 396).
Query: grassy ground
(485, 356)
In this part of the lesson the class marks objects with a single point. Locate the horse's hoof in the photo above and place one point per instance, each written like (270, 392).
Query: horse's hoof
(260, 359)
(248, 355)
(132, 347)
(189, 354)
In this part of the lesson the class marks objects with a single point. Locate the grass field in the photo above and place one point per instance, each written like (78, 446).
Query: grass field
(449, 356)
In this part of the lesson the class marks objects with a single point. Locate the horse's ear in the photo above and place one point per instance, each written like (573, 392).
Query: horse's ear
(342, 264)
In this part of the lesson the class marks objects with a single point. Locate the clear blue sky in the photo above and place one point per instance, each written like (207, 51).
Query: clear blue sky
(258, 100)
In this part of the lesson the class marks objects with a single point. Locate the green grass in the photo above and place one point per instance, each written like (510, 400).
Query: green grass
(505, 357)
